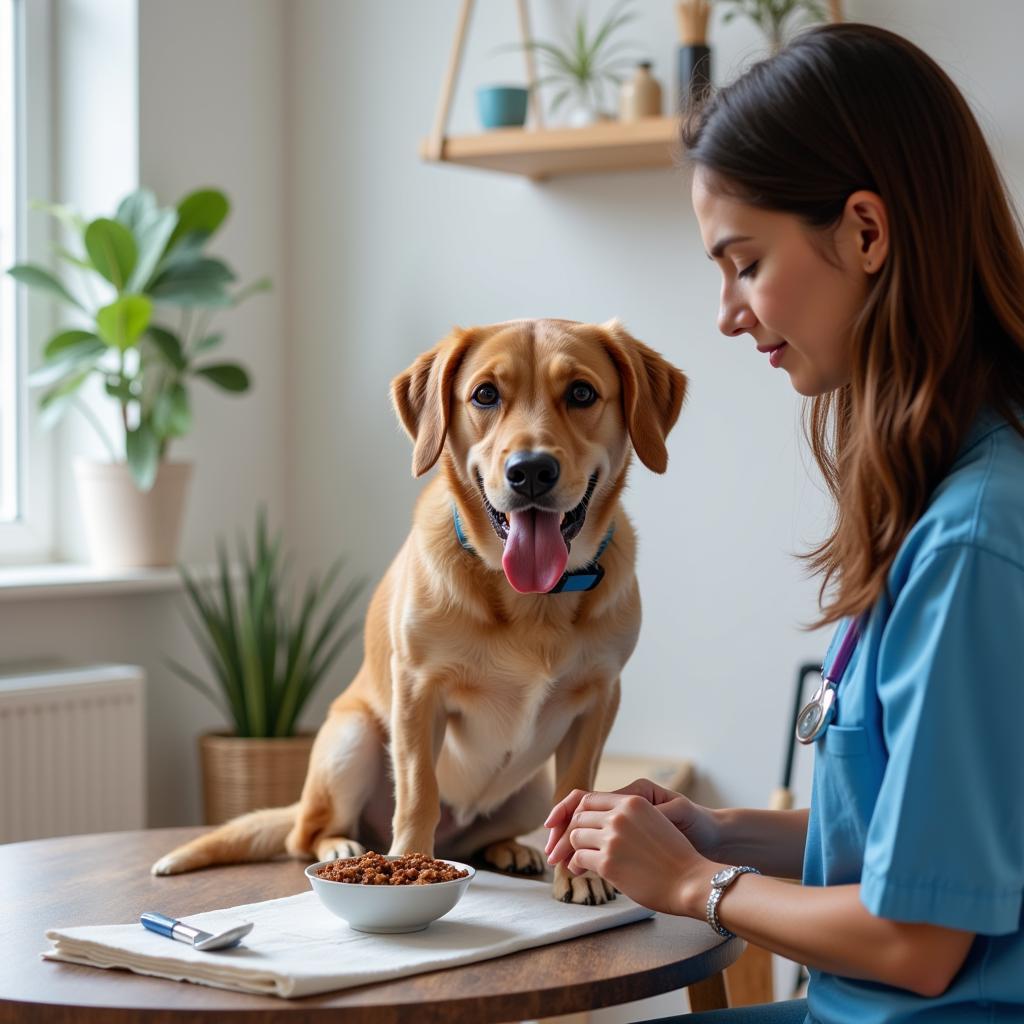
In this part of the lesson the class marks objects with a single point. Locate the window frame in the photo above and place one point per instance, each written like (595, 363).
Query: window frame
(29, 537)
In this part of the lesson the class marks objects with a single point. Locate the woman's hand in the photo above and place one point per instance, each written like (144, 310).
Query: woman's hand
(697, 823)
(630, 843)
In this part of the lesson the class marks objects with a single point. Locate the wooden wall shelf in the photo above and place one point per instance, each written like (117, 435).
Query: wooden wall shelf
(547, 153)
(538, 152)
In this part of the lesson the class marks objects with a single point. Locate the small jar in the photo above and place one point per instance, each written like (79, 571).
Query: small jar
(640, 96)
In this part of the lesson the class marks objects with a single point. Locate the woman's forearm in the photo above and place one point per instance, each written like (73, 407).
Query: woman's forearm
(830, 929)
(772, 841)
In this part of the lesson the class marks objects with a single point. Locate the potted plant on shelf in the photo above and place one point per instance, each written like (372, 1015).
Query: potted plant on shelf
(772, 16)
(266, 659)
(135, 270)
(586, 65)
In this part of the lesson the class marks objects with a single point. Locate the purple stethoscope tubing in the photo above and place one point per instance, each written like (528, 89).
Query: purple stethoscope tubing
(817, 714)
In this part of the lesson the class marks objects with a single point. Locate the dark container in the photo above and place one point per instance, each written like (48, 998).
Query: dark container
(694, 68)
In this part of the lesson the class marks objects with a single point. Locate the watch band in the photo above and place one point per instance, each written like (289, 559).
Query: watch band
(719, 883)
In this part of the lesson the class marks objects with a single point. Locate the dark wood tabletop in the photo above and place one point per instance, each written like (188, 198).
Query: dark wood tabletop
(105, 879)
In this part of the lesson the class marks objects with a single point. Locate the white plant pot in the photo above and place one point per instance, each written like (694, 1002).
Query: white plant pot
(581, 115)
(125, 527)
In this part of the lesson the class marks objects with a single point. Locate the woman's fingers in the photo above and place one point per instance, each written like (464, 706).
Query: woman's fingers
(582, 830)
(584, 860)
(650, 791)
(593, 813)
(584, 838)
(563, 810)
(559, 817)
(561, 848)
(580, 799)
(562, 813)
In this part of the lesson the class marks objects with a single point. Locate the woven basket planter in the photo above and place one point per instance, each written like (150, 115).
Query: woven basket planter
(245, 774)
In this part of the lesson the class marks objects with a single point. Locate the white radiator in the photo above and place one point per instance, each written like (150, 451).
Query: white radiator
(72, 751)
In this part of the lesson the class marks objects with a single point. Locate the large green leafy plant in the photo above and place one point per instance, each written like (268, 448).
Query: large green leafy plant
(134, 272)
(266, 657)
(771, 16)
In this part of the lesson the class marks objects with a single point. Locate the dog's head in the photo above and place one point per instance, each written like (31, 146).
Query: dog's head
(536, 419)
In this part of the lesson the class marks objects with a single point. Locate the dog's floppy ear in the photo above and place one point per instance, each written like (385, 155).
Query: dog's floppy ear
(652, 394)
(422, 397)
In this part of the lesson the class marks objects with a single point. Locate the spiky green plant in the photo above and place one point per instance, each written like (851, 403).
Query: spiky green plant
(265, 660)
(586, 64)
(771, 16)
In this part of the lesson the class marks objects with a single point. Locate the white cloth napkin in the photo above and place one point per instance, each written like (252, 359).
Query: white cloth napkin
(298, 948)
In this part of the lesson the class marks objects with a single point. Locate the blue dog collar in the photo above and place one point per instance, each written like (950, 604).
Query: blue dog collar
(577, 581)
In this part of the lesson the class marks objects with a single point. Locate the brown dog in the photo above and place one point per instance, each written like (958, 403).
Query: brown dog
(475, 673)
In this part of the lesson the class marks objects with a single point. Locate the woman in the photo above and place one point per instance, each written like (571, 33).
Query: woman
(867, 245)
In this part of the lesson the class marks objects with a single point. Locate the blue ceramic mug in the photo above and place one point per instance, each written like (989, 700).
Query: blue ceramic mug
(502, 106)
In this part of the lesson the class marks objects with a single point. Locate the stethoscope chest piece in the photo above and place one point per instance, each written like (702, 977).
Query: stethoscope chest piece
(816, 714)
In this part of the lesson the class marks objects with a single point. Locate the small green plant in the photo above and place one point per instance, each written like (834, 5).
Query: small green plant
(143, 258)
(266, 657)
(586, 64)
(771, 16)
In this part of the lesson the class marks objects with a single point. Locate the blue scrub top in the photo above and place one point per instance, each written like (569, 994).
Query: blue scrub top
(919, 782)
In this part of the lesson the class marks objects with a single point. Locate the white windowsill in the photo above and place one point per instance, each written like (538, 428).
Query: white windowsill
(73, 579)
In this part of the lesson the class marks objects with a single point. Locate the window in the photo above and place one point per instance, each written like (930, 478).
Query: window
(26, 130)
(10, 376)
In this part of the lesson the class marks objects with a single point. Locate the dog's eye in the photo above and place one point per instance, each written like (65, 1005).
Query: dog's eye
(581, 394)
(485, 396)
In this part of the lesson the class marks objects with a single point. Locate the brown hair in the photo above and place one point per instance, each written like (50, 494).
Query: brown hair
(941, 335)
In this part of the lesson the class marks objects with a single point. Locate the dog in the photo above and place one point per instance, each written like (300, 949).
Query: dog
(497, 636)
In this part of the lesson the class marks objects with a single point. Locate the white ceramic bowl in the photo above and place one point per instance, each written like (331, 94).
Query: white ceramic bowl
(389, 908)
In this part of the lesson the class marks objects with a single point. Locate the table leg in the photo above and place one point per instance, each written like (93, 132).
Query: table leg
(749, 980)
(708, 994)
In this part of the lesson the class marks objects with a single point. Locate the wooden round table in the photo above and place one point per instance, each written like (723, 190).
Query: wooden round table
(105, 879)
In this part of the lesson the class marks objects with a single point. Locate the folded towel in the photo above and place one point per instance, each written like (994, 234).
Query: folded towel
(298, 948)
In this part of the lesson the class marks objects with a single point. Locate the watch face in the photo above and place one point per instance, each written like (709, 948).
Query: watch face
(723, 876)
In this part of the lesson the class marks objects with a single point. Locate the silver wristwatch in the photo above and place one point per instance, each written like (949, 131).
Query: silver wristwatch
(720, 881)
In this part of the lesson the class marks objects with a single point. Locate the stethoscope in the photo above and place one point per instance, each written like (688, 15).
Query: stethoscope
(817, 714)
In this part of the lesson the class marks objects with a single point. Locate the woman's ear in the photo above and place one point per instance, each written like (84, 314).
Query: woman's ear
(652, 394)
(866, 222)
(422, 397)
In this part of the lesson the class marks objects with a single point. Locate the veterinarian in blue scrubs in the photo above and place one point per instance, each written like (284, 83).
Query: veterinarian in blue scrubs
(867, 245)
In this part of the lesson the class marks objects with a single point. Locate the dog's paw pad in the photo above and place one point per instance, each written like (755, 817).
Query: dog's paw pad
(587, 889)
(338, 848)
(514, 857)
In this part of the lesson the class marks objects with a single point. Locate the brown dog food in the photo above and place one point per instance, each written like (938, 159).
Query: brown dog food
(375, 869)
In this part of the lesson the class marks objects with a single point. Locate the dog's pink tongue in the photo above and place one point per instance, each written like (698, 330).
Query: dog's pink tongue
(535, 553)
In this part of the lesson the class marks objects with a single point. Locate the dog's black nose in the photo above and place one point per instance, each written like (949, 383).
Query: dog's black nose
(531, 473)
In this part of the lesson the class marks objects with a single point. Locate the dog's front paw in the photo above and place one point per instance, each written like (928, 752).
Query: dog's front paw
(514, 857)
(338, 848)
(588, 889)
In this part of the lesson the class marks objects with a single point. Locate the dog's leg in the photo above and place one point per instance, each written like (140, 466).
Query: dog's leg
(491, 837)
(576, 760)
(345, 766)
(417, 732)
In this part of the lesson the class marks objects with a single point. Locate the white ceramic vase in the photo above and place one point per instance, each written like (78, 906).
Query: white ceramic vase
(126, 527)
